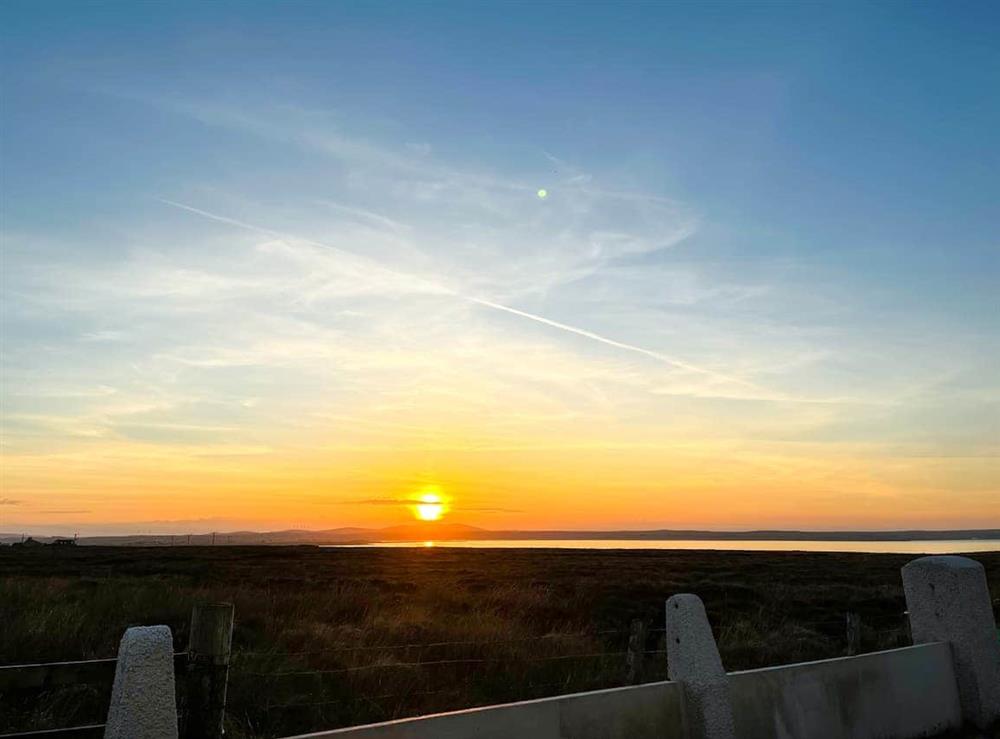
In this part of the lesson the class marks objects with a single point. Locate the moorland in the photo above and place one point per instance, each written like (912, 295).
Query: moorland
(328, 637)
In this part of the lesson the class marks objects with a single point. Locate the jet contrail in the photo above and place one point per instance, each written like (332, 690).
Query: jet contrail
(679, 364)
(612, 342)
(358, 258)
(269, 232)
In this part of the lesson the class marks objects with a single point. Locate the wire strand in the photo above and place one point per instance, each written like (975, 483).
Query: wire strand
(397, 665)
(428, 645)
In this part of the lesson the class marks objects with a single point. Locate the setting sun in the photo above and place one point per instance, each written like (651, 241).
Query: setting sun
(430, 507)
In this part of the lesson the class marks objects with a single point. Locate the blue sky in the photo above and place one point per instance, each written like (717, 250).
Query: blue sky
(295, 252)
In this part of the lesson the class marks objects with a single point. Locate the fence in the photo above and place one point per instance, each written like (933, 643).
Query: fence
(201, 672)
(441, 670)
(950, 678)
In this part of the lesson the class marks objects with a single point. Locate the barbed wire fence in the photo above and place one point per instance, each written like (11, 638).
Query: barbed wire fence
(365, 681)
(438, 674)
(431, 675)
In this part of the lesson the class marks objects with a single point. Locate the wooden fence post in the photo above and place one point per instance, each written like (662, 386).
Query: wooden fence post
(853, 634)
(208, 670)
(636, 654)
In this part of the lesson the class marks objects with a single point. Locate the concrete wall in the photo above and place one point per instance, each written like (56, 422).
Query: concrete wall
(897, 694)
(651, 711)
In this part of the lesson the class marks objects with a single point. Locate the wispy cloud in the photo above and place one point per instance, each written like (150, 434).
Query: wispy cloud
(351, 315)
(63, 512)
(441, 289)
(453, 507)
(378, 501)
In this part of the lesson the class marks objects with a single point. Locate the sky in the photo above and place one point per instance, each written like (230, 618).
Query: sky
(624, 265)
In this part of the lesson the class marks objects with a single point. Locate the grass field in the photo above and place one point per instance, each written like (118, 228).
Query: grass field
(332, 637)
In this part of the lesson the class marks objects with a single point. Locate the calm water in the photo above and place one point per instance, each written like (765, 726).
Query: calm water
(897, 547)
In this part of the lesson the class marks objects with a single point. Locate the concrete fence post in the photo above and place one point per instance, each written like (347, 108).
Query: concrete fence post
(209, 647)
(143, 700)
(693, 661)
(948, 600)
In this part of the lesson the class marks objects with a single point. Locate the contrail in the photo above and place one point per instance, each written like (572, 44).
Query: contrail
(358, 258)
(266, 231)
(679, 364)
(221, 219)
(612, 342)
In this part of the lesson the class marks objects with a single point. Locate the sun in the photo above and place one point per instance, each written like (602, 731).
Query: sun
(429, 506)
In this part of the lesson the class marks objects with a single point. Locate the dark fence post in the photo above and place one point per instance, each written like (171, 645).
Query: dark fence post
(853, 634)
(636, 652)
(208, 670)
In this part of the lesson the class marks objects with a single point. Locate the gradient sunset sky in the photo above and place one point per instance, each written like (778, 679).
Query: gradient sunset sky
(708, 265)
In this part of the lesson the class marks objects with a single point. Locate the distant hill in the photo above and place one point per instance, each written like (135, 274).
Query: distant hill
(456, 531)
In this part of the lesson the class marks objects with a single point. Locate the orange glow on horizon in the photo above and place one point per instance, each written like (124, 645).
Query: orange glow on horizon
(574, 477)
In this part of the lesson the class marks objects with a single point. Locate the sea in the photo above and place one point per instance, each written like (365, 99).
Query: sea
(951, 546)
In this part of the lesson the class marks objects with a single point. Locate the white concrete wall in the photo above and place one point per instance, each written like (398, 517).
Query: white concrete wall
(651, 711)
(918, 691)
(898, 694)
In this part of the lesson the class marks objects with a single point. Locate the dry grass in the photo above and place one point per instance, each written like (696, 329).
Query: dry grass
(333, 621)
